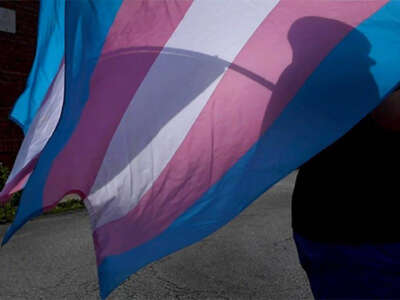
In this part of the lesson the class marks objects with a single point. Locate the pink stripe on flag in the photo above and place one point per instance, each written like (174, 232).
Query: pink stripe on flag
(37, 136)
(118, 74)
(19, 181)
(238, 112)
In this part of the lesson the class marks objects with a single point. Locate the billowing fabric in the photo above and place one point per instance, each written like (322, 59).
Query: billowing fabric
(38, 109)
(38, 134)
(49, 54)
(178, 114)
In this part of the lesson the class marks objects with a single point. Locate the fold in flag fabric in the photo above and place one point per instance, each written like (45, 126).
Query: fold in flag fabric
(38, 109)
(49, 54)
(178, 114)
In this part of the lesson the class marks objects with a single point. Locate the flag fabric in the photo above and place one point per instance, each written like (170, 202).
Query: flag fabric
(39, 132)
(178, 114)
(49, 53)
(38, 108)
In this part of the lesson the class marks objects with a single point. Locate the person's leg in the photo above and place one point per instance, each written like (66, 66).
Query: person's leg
(351, 271)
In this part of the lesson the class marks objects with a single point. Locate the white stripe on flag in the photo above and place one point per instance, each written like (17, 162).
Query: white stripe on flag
(169, 100)
(42, 126)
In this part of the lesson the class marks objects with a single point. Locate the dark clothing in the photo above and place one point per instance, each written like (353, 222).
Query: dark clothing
(351, 271)
(349, 193)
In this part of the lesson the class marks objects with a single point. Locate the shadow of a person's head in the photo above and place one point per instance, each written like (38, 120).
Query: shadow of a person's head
(310, 35)
(313, 40)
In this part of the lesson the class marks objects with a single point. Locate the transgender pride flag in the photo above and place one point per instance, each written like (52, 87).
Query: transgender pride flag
(178, 114)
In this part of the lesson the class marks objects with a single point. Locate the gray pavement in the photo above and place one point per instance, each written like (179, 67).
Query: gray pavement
(253, 257)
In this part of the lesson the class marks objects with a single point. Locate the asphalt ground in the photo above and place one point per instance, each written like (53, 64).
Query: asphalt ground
(253, 257)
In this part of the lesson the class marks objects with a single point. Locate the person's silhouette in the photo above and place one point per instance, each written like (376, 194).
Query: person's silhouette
(345, 209)
(311, 38)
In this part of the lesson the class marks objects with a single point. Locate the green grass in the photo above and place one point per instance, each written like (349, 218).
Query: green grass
(9, 209)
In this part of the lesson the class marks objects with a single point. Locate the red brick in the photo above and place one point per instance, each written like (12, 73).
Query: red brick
(17, 52)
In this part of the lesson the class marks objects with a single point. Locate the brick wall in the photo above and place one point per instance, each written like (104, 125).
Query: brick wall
(17, 52)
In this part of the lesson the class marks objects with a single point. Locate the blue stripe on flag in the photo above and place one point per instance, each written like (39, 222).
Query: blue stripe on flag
(81, 55)
(49, 54)
(315, 118)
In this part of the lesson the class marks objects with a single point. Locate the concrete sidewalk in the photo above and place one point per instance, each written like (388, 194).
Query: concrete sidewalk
(253, 257)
